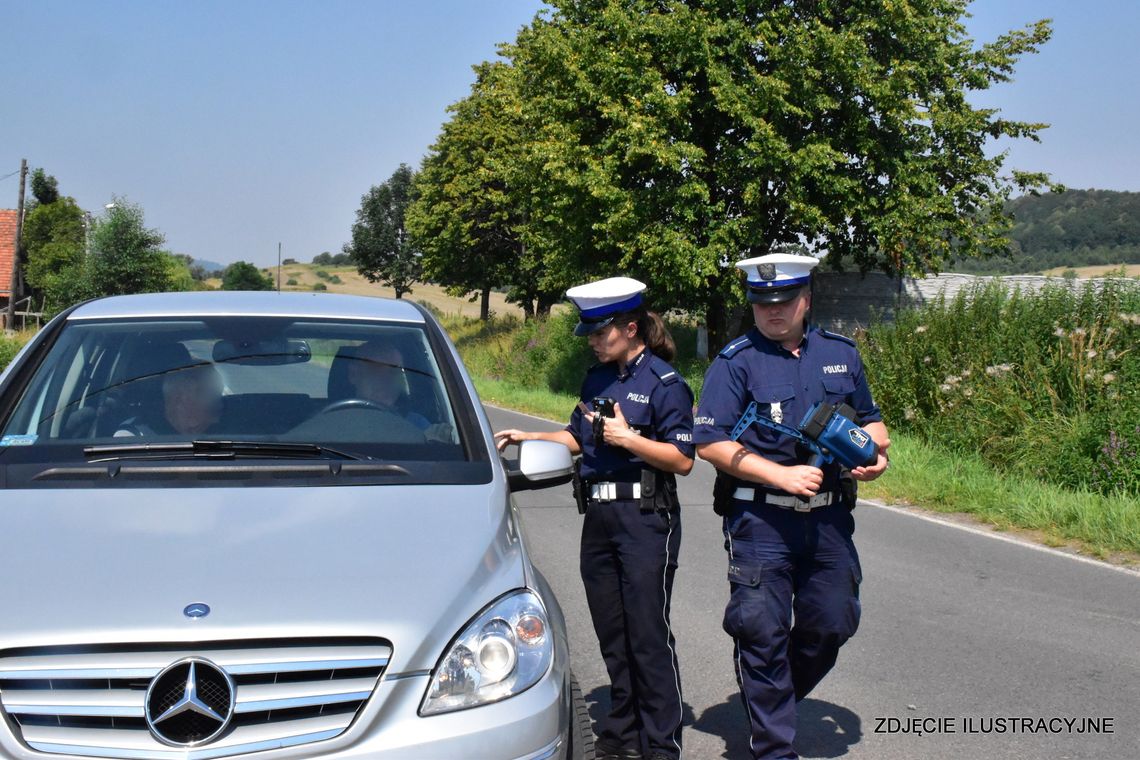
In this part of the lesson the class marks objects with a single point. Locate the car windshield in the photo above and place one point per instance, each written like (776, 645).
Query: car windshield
(348, 389)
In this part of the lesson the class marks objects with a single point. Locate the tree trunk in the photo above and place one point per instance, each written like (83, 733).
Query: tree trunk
(716, 317)
(485, 304)
(545, 302)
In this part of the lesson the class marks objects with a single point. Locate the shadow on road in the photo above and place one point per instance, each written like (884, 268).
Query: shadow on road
(728, 721)
(824, 730)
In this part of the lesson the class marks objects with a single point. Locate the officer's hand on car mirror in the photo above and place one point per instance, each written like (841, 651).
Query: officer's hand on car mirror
(505, 438)
(617, 429)
(800, 480)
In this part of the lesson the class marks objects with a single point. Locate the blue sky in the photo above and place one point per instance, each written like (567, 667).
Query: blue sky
(237, 125)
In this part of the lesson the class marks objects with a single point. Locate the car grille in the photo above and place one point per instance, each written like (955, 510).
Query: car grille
(92, 700)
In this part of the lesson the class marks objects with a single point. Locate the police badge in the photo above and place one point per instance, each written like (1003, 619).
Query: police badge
(767, 271)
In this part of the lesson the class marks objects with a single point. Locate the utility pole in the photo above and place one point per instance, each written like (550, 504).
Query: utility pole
(17, 251)
(278, 267)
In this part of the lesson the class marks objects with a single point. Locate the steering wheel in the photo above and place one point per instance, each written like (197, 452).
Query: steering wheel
(352, 403)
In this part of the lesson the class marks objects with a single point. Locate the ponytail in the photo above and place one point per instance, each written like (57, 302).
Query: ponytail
(651, 329)
(656, 335)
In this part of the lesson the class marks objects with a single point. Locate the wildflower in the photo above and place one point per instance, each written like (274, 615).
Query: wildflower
(908, 414)
(1132, 319)
(920, 329)
(945, 387)
(1078, 331)
(1090, 354)
(1110, 355)
(1108, 377)
(927, 359)
(968, 392)
(1090, 375)
(1060, 332)
(966, 373)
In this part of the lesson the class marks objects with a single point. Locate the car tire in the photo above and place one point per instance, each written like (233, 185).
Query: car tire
(580, 745)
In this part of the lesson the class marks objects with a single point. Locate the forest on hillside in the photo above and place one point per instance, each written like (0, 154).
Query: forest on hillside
(1075, 228)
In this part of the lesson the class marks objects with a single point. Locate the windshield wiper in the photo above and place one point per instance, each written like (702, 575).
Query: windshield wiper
(214, 450)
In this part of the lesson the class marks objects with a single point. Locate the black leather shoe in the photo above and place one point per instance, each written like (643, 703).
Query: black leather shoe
(608, 749)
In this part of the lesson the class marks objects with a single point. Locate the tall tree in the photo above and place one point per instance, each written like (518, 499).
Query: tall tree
(54, 235)
(126, 256)
(471, 198)
(380, 245)
(674, 137)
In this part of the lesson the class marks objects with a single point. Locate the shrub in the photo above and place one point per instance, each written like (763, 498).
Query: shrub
(1046, 384)
(320, 286)
(322, 274)
(291, 281)
(11, 344)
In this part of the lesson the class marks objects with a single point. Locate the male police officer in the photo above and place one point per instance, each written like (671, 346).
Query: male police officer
(787, 525)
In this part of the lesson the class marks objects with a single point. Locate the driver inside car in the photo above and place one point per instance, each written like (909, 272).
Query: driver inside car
(377, 376)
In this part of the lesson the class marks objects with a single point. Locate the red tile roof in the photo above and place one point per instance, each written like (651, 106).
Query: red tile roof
(7, 248)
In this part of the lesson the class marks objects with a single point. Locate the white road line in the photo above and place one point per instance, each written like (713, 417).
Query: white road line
(1001, 537)
(524, 414)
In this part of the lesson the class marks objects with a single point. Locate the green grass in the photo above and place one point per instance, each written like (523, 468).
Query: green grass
(932, 478)
(541, 403)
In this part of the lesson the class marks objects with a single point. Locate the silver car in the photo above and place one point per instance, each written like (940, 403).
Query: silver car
(271, 524)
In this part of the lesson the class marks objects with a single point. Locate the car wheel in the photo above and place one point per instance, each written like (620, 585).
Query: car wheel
(581, 733)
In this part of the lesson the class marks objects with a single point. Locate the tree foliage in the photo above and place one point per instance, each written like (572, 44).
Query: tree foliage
(471, 203)
(127, 256)
(45, 189)
(242, 275)
(667, 139)
(54, 242)
(331, 259)
(380, 247)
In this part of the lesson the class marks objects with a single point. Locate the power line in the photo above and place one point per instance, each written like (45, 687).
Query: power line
(13, 174)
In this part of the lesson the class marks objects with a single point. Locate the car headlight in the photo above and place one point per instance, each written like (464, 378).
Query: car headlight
(505, 650)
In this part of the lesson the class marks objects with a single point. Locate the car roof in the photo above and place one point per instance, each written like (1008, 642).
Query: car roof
(218, 303)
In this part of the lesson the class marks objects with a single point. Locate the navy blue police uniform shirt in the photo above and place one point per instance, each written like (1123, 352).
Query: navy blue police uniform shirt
(655, 400)
(784, 387)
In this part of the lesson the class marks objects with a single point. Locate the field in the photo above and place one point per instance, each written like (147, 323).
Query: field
(1130, 270)
(353, 283)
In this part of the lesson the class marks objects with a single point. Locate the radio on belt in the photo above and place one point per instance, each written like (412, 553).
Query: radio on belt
(828, 430)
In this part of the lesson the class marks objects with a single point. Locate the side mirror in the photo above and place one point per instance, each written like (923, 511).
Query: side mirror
(541, 464)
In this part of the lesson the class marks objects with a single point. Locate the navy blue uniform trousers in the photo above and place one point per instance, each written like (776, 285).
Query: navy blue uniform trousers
(628, 559)
(781, 563)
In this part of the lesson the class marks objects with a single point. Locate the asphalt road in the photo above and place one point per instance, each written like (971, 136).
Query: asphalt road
(959, 631)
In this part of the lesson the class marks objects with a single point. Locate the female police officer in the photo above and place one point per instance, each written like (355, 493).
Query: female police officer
(633, 427)
(788, 526)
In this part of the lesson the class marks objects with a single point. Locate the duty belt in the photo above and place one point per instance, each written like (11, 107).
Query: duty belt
(786, 502)
(608, 491)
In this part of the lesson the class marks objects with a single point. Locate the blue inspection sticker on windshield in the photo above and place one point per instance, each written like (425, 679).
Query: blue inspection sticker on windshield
(18, 440)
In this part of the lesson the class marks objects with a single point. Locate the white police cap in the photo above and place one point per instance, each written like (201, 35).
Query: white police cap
(776, 277)
(600, 301)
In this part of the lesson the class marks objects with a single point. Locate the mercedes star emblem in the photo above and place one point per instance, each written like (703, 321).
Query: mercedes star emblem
(189, 703)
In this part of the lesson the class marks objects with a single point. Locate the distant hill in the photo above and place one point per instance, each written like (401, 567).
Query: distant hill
(209, 266)
(1076, 228)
